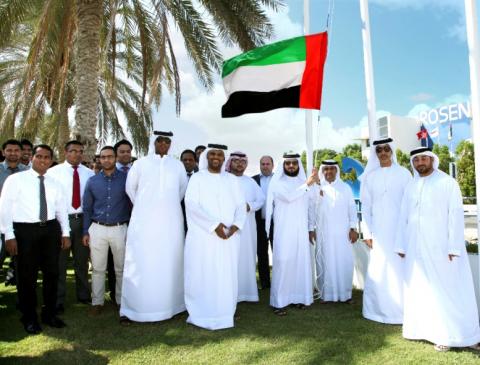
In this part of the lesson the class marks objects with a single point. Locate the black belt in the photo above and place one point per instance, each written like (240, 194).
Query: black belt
(110, 224)
(36, 224)
(75, 215)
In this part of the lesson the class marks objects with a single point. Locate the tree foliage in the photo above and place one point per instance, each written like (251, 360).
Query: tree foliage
(466, 168)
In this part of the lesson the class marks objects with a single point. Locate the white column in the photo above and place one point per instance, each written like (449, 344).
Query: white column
(473, 58)
(308, 113)
(368, 66)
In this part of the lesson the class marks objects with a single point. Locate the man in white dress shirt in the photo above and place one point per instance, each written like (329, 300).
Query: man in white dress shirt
(73, 176)
(31, 207)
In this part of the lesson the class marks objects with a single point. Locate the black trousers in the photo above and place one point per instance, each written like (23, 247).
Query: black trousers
(262, 252)
(38, 248)
(81, 254)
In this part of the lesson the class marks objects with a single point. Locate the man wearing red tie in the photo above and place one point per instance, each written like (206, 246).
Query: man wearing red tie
(73, 176)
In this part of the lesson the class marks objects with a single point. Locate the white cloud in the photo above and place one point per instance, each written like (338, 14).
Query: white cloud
(421, 97)
(451, 99)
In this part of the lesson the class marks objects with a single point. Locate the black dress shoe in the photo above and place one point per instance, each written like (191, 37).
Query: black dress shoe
(54, 322)
(32, 328)
(60, 309)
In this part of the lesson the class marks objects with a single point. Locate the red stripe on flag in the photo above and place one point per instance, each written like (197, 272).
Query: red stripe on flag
(312, 79)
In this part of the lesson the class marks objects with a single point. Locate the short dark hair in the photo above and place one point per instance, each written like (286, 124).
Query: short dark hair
(188, 151)
(200, 147)
(15, 142)
(73, 142)
(119, 143)
(25, 141)
(108, 148)
(43, 146)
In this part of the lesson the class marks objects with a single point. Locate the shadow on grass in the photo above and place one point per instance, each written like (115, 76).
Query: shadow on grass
(324, 333)
(77, 355)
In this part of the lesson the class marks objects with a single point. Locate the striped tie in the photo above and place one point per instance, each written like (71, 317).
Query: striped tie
(43, 201)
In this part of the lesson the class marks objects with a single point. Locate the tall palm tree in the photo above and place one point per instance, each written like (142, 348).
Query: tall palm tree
(104, 29)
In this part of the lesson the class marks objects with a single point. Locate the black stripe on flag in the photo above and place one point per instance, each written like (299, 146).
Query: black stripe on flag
(244, 102)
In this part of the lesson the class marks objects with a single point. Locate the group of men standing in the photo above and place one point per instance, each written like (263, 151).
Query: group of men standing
(186, 236)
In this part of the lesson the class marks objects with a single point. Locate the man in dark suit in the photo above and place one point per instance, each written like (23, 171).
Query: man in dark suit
(263, 180)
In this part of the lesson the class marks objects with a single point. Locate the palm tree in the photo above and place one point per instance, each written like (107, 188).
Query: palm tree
(137, 33)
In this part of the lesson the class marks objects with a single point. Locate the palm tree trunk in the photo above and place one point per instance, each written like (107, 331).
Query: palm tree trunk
(63, 132)
(87, 73)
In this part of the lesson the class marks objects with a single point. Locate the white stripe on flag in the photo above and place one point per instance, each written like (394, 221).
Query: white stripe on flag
(264, 78)
(434, 132)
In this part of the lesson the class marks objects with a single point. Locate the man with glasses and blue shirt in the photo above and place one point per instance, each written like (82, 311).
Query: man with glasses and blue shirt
(106, 212)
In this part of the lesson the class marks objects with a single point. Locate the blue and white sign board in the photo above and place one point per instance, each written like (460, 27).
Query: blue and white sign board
(448, 124)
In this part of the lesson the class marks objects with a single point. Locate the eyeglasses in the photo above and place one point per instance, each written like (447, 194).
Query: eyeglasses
(379, 149)
(293, 163)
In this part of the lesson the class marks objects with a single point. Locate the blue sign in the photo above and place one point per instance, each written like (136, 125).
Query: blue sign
(349, 164)
(449, 124)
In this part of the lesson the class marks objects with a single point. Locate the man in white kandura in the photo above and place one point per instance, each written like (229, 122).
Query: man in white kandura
(153, 271)
(247, 251)
(439, 299)
(215, 207)
(383, 184)
(291, 203)
(336, 222)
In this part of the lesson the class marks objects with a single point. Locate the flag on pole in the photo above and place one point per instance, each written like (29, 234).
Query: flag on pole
(285, 74)
(423, 135)
(434, 132)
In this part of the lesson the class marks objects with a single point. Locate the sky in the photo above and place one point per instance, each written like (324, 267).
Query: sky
(420, 61)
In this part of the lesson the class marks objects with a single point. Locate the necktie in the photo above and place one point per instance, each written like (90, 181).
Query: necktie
(76, 188)
(43, 201)
(125, 169)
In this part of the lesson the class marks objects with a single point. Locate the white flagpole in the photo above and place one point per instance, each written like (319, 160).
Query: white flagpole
(368, 65)
(308, 112)
(473, 58)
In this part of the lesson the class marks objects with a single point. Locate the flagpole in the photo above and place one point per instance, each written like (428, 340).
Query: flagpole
(473, 58)
(368, 66)
(308, 112)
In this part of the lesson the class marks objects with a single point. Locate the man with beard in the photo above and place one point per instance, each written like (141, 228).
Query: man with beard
(153, 271)
(263, 180)
(291, 203)
(27, 149)
(383, 184)
(188, 159)
(12, 151)
(336, 222)
(439, 298)
(106, 212)
(216, 212)
(254, 198)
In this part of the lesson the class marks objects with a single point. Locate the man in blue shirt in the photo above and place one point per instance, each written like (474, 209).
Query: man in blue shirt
(106, 212)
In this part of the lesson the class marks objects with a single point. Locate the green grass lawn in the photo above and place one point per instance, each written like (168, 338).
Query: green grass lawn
(323, 334)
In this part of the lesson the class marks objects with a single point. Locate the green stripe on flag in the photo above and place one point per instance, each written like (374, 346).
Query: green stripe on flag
(289, 50)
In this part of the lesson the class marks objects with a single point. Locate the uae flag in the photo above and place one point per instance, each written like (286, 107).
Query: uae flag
(286, 74)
